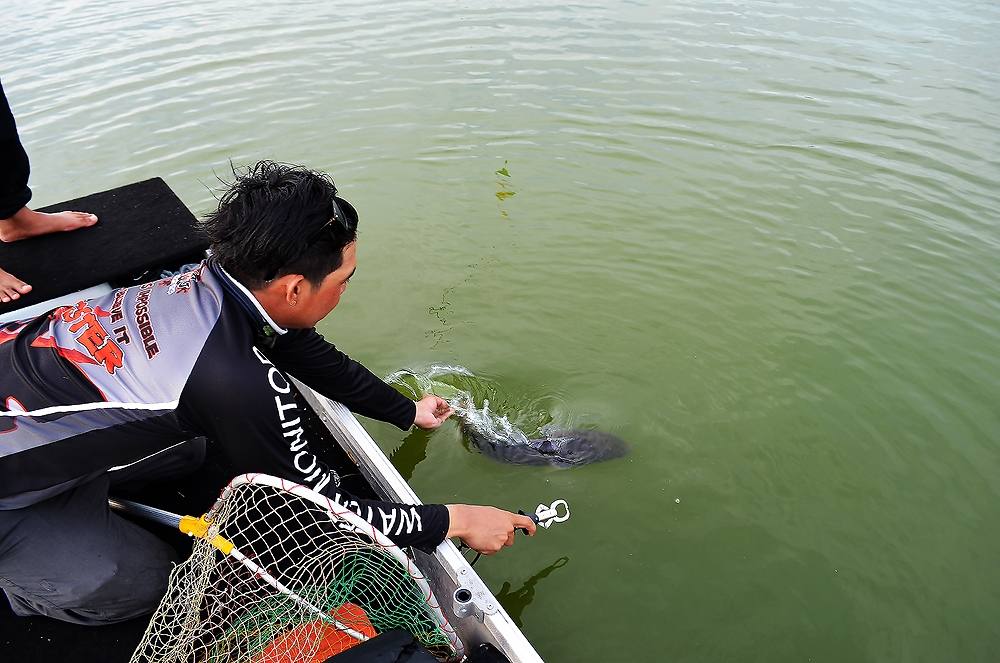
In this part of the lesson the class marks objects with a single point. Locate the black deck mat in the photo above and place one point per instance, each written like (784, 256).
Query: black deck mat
(140, 225)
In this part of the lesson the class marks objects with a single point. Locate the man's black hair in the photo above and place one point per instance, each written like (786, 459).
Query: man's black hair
(275, 219)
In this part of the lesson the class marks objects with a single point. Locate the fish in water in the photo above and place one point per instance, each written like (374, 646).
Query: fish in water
(560, 448)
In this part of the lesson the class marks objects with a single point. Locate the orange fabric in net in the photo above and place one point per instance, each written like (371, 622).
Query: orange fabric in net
(286, 648)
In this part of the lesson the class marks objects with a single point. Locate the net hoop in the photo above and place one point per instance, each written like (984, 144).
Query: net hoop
(337, 511)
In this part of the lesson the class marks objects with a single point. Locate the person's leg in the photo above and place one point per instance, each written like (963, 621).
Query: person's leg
(14, 191)
(72, 559)
(14, 166)
(16, 220)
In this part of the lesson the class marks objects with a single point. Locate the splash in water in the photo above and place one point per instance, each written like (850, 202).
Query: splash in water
(461, 388)
(494, 434)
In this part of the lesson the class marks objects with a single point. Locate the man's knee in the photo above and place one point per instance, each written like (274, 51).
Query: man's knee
(70, 559)
(130, 585)
(101, 590)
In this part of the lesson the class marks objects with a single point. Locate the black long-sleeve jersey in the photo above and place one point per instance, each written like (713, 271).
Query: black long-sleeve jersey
(115, 379)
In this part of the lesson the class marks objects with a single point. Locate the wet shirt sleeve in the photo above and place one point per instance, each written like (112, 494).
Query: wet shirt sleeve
(306, 355)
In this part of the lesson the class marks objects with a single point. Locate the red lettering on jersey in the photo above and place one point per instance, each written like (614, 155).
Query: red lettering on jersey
(91, 334)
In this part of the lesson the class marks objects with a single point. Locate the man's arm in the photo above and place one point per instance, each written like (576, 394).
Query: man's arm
(306, 355)
(247, 406)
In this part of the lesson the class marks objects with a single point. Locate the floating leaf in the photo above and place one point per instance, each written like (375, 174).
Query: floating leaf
(504, 195)
(503, 171)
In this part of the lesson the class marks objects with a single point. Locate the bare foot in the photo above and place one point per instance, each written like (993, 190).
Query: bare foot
(11, 287)
(29, 223)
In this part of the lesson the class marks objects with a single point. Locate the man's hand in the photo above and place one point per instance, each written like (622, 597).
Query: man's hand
(431, 412)
(486, 529)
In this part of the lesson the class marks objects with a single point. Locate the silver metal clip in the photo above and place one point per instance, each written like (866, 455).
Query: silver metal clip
(548, 514)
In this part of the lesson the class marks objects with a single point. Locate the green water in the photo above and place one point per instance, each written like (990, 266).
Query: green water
(757, 240)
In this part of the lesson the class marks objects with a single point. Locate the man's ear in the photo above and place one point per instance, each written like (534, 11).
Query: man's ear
(294, 288)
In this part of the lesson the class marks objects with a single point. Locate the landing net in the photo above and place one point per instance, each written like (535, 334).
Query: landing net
(344, 581)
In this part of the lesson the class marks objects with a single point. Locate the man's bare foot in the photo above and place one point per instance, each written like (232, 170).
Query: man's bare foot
(29, 223)
(11, 287)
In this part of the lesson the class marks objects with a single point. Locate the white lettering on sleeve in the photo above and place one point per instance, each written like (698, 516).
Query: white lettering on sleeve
(297, 443)
(305, 470)
(410, 519)
(388, 519)
(264, 360)
(282, 407)
(321, 484)
(273, 373)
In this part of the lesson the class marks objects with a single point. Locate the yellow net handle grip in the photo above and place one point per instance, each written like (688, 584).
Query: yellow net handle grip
(199, 527)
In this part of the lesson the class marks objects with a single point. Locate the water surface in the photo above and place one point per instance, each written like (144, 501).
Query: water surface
(757, 240)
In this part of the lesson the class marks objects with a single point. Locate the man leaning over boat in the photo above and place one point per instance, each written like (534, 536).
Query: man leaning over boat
(117, 382)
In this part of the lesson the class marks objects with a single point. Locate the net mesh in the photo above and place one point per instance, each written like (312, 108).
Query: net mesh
(345, 574)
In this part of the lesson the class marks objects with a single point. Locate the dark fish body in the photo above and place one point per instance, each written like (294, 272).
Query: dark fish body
(563, 448)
